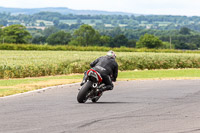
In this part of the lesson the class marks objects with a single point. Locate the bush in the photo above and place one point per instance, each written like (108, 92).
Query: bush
(20, 64)
(30, 47)
(149, 41)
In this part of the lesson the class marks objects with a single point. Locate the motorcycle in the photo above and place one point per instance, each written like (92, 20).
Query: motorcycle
(90, 89)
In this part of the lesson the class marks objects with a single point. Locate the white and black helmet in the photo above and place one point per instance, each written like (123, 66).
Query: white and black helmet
(111, 53)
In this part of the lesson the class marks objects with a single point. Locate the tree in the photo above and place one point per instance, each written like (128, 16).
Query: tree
(79, 21)
(50, 30)
(38, 38)
(120, 40)
(184, 31)
(99, 26)
(3, 22)
(116, 31)
(1, 34)
(63, 26)
(182, 45)
(56, 21)
(105, 40)
(149, 41)
(74, 26)
(60, 37)
(131, 43)
(42, 24)
(16, 34)
(86, 36)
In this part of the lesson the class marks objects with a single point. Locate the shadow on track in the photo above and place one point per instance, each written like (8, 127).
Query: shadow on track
(110, 103)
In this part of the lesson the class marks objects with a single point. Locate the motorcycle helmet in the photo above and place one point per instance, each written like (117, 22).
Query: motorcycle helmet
(111, 53)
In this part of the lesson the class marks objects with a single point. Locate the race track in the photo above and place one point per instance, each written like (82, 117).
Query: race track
(148, 106)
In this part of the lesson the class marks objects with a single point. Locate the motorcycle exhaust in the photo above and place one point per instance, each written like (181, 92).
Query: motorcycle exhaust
(94, 85)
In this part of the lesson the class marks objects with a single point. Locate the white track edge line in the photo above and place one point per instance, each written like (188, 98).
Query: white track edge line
(38, 90)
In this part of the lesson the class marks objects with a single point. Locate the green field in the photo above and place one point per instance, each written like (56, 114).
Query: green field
(20, 64)
(47, 23)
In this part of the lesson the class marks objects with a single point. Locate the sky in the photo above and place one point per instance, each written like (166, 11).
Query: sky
(157, 7)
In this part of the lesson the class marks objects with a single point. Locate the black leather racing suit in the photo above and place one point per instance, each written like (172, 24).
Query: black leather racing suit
(108, 68)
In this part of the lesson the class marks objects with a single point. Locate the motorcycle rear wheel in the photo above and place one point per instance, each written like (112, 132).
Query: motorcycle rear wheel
(82, 95)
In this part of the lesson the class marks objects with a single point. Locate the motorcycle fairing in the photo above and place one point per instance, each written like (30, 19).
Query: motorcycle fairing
(94, 74)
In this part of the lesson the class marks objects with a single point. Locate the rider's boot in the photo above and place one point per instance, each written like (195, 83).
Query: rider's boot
(105, 88)
(82, 83)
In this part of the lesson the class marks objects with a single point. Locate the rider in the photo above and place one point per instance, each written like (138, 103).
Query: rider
(108, 68)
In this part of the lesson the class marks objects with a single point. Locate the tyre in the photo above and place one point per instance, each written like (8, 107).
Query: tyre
(81, 98)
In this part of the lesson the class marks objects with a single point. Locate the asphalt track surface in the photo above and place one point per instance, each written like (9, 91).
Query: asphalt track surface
(151, 106)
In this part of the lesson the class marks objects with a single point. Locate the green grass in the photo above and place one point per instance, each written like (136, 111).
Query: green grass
(14, 86)
(13, 82)
(160, 74)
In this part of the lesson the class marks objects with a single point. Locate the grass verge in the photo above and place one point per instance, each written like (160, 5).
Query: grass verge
(14, 86)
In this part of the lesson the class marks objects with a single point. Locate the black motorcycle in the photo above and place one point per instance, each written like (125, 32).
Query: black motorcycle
(90, 89)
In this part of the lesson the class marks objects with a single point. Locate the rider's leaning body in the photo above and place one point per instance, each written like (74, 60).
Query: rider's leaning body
(108, 69)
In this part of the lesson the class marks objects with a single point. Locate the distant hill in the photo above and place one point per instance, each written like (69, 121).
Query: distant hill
(62, 10)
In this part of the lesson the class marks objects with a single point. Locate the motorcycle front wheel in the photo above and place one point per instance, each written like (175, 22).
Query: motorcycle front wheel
(82, 95)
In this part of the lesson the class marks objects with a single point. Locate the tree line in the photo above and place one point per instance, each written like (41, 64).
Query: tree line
(86, 35)
(159, 22)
